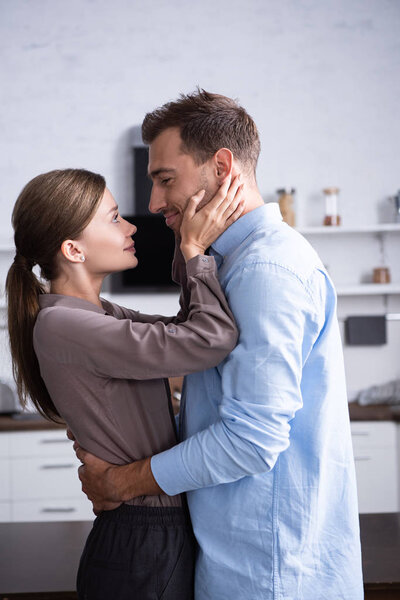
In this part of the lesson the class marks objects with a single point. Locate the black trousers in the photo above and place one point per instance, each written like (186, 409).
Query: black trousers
(138, 553)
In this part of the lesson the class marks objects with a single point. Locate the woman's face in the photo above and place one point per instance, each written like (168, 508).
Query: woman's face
(107, 241)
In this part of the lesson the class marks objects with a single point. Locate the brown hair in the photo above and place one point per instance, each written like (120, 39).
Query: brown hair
(207, 122)
(51, 208)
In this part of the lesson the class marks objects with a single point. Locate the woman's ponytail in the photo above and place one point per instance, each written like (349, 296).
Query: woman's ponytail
(51, 208)
(23, 289)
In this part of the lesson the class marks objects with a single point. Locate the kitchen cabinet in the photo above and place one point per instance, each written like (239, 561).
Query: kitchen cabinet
(66, 509)
(5, 505)
(50, 571)
(40, 560)
(377, 465)
(5, 479)
(39, 471)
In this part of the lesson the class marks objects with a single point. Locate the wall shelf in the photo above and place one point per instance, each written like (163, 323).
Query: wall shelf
(379, 228)
(378, 231)
(368, 289)
(342, 290)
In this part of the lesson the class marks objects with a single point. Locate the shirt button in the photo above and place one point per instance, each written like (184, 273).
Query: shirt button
(171, 330)
(204, 259)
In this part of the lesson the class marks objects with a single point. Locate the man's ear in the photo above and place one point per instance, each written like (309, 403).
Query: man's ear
(223, 163)
(71, 251)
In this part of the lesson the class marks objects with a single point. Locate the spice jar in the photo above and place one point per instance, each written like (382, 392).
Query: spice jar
(286, 197)
(331, 206)
(381, 275)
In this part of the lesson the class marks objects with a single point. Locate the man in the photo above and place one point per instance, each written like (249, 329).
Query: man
(266, 457)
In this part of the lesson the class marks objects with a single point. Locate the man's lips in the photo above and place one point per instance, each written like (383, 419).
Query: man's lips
(169, 219)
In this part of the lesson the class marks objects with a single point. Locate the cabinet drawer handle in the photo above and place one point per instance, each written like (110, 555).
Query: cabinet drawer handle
(55, 441)
(361, 433)
(58, 510)
(57, 466)
(362, 458)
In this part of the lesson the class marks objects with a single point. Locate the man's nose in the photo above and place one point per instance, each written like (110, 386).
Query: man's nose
(157, 202)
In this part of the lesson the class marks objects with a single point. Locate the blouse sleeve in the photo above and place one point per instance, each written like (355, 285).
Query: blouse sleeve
(126, 349)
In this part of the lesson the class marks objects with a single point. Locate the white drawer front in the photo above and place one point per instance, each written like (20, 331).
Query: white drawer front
(55, 477)
(377, 480)
(5, 512)
(40, 443)
(53, 510)
(4, 443)
(5, 488)
(377, 434)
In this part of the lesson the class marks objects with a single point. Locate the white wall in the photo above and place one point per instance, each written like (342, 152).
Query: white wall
(321, 80)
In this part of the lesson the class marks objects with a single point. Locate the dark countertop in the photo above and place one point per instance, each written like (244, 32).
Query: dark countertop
(374, 412)
(33, 422)
(42, 558)
(26, 422)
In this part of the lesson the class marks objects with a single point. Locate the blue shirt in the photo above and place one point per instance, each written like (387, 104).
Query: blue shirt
(267, 457)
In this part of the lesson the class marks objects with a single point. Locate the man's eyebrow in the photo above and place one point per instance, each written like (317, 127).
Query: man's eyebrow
(158, 171)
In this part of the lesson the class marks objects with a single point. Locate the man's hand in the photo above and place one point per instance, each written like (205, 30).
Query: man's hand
(107, 485)
(94, 474)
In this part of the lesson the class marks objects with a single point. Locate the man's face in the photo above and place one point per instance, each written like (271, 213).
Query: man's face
(176, 177)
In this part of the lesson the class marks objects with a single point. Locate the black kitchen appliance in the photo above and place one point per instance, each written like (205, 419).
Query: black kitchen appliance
(154, 243)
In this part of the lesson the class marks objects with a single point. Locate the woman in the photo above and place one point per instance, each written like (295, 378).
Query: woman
(100, 367)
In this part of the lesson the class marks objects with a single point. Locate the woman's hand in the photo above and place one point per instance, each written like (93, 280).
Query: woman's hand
(200, 229)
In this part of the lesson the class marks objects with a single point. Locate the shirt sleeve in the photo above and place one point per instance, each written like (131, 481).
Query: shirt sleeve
(179, 275)
(125, 349)
(278, 325)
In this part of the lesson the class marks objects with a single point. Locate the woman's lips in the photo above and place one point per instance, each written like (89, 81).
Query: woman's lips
(130, 248)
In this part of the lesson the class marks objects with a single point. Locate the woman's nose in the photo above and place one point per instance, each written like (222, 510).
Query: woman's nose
(130, 228)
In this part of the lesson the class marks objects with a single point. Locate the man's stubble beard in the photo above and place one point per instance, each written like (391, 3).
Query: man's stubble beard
(203, 184)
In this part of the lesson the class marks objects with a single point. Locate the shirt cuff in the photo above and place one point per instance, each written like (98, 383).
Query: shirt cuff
(200, 264)
(170, 472)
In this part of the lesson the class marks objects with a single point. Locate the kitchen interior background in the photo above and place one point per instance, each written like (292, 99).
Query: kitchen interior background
(321, 80)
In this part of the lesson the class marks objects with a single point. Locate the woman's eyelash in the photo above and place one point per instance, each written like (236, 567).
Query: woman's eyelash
(115, 216)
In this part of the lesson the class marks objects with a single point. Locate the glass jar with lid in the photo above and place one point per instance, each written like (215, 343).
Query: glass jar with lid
(332, 216)
(286, 199)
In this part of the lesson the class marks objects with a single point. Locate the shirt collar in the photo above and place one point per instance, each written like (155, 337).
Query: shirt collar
(48, 300)
(243, 227)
